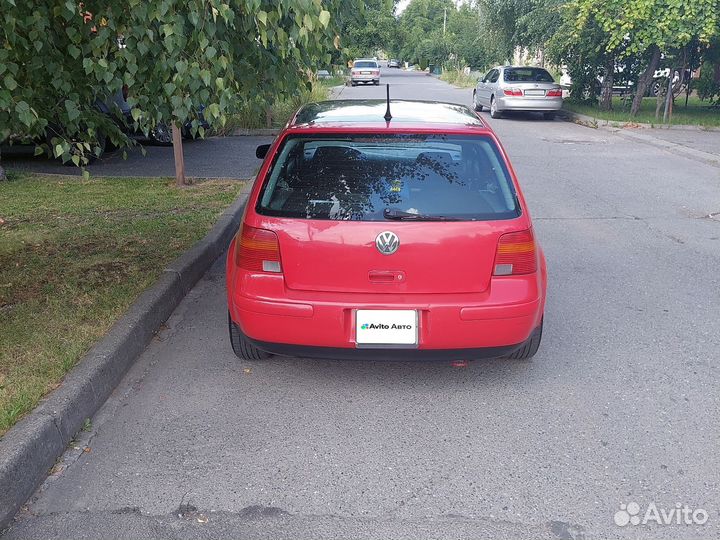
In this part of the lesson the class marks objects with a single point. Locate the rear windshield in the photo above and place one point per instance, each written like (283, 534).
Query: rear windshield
(527, 75)
(368, 178)
(365, 64)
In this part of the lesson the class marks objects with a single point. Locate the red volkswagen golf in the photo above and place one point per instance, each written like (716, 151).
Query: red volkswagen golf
(368, 235)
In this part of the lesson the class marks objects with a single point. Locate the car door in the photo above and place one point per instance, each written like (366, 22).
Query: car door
(491, 85)
(481, 91)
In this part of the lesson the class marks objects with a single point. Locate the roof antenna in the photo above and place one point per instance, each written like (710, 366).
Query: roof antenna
(388, 116)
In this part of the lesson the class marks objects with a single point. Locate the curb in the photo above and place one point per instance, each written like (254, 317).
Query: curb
(599, 122)
(623, 130)
(29, 449)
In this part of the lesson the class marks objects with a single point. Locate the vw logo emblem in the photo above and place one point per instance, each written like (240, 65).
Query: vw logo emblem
(387, 242)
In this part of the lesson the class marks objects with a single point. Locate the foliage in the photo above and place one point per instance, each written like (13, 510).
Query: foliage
(367, 31)
(421, 31)
(253, 114)
(708, 86)
(58, 60)
(459, 78)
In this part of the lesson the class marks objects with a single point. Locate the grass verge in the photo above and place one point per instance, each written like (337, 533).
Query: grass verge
(458, 78)
(74, 255)
(697, 113)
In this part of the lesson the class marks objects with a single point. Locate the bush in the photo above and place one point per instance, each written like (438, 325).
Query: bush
(253, 114)
(708, 85)
(459, 78)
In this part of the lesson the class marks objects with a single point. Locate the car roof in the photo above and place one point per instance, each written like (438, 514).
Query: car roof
(430, 115)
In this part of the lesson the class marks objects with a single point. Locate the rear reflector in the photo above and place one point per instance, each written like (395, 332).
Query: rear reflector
(516, 254)
(257, 250)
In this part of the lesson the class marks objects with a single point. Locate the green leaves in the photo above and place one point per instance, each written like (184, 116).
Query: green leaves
(65, 67)
(10, 82)
(24, 113)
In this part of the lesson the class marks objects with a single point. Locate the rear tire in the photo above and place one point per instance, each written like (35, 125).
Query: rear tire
(494, 113)
(530, 347)
(376, 83)
(242, 348)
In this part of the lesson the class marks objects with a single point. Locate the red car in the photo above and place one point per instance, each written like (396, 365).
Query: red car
(382, 238)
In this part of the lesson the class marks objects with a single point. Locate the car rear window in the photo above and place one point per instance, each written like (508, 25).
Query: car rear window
(527, 75)
(365, 64)
(363, 177)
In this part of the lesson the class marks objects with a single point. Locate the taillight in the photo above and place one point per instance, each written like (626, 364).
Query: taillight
(554, 93)
(376, 72)
(516, 254)
(257, 250)
(512, 92)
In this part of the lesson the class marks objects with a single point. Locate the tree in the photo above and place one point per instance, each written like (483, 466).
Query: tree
(58, 60)
(373, 28)
(652, 27)
(421, 26)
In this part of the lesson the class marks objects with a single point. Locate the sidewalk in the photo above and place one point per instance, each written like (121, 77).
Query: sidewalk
(689, 141)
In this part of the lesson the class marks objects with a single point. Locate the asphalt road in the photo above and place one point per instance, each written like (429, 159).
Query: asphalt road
(214, 157)
(621, 404)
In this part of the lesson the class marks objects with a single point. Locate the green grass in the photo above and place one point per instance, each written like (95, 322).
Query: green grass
(458, 78)
(335, 80)
(74, 254)
(253, 114)
(697, 112)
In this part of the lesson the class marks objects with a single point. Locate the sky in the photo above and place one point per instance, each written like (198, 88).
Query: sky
(401, 5)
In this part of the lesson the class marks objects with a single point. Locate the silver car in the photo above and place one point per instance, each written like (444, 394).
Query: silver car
(365, 71)
(518, 88)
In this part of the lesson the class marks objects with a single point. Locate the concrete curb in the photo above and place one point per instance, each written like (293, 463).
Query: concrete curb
(599, 122)
(30, 448)
(628, 131)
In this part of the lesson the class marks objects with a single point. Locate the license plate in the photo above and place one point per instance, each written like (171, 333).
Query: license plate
(364, 73)
(534, 92)
(386, 327)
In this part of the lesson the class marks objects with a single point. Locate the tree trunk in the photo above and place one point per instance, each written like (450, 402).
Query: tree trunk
(178, 154)
(645, 80)
(2, 171)
(606, 89)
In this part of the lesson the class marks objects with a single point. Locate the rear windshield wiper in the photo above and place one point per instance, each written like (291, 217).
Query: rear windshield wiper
(401, 215)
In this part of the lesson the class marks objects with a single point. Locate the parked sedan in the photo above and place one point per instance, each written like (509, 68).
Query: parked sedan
(518, 88)
(365, 71)
(373, 237)
(393, 63)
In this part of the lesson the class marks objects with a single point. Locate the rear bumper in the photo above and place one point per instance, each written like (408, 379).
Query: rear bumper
(313, 324)
(528, 104)
(364, 78)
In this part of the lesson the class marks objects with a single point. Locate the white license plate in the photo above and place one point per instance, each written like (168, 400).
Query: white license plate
(364, 73)
(534, 92)
(383, 327)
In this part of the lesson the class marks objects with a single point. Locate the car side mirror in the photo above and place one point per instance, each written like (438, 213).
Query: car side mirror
(261, 151)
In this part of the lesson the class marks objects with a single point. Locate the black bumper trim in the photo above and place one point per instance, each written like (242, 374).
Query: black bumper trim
(340, 353)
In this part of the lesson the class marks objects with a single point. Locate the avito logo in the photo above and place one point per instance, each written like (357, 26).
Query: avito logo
(381, 326)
